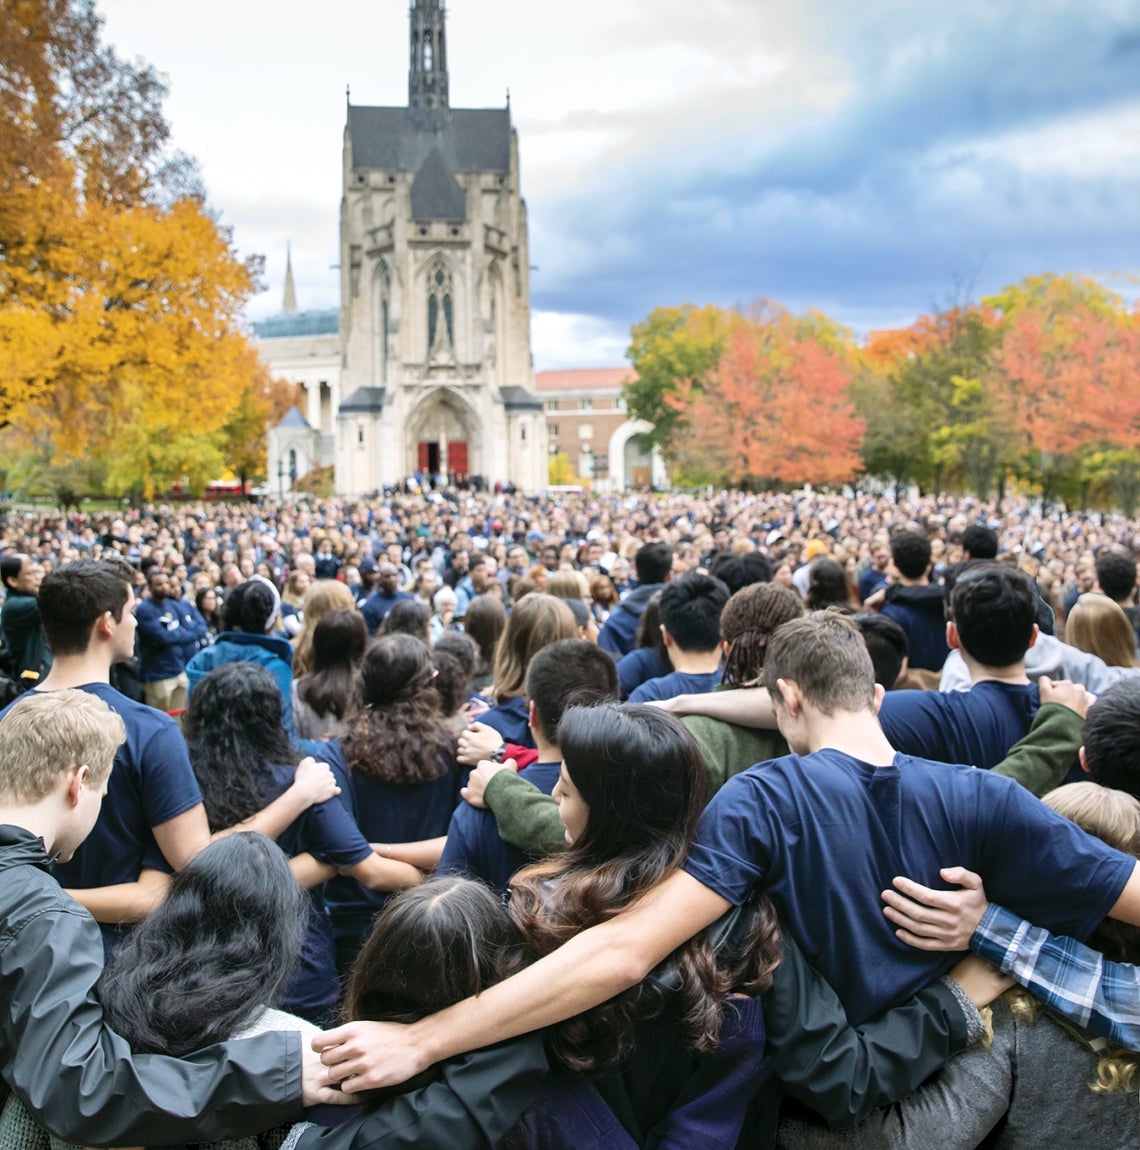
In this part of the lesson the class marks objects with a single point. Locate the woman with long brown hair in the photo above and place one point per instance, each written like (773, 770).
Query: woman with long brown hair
(397, 770)
(323, 596)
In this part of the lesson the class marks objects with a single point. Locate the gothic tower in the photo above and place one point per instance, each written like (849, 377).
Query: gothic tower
(435, 291)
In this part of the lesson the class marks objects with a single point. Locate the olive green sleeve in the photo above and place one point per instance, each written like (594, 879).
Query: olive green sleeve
(527, 818)
(1043, 757)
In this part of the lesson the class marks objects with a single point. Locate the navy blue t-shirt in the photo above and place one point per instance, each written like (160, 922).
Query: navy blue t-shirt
(474, 848)
(977, 726)
(639, 666)
(387, 813)
(824, 834)
(512, 720)
(327, 831)
(677, 683)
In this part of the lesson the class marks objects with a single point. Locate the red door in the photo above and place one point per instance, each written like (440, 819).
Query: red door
(457, 457)
(425, 457)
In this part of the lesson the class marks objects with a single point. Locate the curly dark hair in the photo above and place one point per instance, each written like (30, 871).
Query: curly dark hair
(234, 733)
(641, 775)
(223, 942)
(395, 730)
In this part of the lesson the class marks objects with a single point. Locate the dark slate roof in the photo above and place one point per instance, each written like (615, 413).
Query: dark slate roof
(435, 194)
(302, 323)
(519, 399)
(293, 418)
(366, 400)
(473, 140)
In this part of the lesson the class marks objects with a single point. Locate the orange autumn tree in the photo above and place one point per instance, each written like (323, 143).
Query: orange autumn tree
(777, 407)
(1068, 370)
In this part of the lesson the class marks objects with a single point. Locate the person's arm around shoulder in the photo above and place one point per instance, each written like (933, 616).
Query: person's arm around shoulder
(744, 706)
(1041, 759)
(124, 902)
(591, 968)
(81, 1079)
(526, 817)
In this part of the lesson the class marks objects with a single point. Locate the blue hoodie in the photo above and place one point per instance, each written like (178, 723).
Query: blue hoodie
(269, 651)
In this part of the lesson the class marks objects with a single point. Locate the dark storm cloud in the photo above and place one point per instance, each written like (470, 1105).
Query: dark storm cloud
(910, 184)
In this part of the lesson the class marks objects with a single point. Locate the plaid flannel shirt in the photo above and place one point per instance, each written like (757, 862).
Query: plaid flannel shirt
(1070, 978)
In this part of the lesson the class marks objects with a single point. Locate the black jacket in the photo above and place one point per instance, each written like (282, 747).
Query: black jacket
(77, 1075)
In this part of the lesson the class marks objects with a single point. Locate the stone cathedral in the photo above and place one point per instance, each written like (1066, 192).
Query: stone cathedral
(434, 323)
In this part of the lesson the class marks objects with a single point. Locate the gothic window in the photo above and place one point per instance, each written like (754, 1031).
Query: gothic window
(427, 52)
(440, 306)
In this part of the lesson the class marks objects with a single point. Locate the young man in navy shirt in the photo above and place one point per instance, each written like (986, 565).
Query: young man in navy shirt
(569, 671)
(153, 820)
(822, 831)
(654, 565)
(690, 625)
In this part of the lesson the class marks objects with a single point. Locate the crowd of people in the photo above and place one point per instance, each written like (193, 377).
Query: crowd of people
(476, 819)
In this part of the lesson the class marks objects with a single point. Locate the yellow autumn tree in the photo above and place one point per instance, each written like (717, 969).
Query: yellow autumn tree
(120, 293)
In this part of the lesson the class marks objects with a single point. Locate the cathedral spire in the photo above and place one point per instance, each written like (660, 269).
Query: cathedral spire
(427, 74)
(289, 305)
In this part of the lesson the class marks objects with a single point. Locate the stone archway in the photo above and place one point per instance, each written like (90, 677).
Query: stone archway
(623, 462)
(443, 434)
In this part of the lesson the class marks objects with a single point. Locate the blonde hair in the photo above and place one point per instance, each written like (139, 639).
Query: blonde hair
(535, 622)
(323, 597)
(566, 585)
(1114, 817)
(48, 733)
(1099, 626)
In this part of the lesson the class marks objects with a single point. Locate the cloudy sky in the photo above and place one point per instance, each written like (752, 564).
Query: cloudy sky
(871, 159)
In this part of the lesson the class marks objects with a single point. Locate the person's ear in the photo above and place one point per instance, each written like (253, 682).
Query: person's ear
(77, 781)
(880, 694)
(666, 636)
(1033, 635)
(1084, 761)
(792, 698)
(952, 640)
(532, 715)
(105, 625)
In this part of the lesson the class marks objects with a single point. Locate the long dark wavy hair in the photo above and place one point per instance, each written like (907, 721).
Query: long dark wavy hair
(338, 646)
(234, 733)
(222, 944)
(395, 730)
(642, 778)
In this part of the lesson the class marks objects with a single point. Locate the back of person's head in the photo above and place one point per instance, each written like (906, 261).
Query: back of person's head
(565, 585)
(603, 592)
(980, 542)
(739, 571)
(690, 611)
(1116, 576)
(452, 681)
(910, 553)
(1097, 624)
(1111, 749)
(323, 596)
(251, 607)
(234, 734)
(827, 585)
(460, 646)
(431, 947)
(221, 945)
(396, 731)
(887, 645)
(570, 672)
(339, 640)
(536, 621)
(825, 656)
(653, 562)
(408, 617)
(45, 735)
(10, 567)
(639, 771)
(747, 624)
(994, 609)
(485, 621)
(74, 598)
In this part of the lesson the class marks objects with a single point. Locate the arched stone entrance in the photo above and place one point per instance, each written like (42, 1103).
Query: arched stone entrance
(630, 464)
(443, 437)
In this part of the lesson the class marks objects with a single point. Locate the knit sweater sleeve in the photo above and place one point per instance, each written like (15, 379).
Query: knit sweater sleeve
(526, 818)
(1040, 761)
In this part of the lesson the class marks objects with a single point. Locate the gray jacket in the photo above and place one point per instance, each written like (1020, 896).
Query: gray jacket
(76, 1074)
